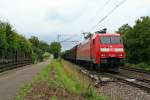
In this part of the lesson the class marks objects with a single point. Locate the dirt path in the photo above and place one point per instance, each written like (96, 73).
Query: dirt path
(11, 82)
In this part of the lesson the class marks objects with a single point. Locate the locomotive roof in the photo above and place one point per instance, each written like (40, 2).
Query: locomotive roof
(105, 34)
(99, 34)
(108, 34)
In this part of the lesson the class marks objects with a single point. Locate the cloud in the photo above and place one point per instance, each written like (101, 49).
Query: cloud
(47, 18)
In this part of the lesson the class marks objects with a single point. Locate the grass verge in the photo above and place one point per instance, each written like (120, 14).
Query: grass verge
(141, 65)
(64, 79)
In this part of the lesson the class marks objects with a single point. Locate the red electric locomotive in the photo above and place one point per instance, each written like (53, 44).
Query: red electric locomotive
(103, 50)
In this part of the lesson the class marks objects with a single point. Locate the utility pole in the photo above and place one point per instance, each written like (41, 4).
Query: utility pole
(58, 37)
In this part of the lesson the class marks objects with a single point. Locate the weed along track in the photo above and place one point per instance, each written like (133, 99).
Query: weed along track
(117, 85)
(59, 81)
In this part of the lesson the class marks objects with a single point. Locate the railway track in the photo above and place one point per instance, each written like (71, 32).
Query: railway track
(137, 74)
(137, 78)
(135, 70)
(101, 78)
(142, 84)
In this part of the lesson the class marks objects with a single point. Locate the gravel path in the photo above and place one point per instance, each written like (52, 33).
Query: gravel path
(12, 81)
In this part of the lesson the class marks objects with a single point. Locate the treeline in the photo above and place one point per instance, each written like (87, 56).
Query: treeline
(137, 41)
(14, 46)
(39, 48)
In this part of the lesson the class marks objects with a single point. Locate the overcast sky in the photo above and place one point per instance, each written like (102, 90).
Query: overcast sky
(47, 18)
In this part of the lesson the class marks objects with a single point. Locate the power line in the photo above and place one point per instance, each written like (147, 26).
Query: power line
(109, 13)
(66, 40)
(70, 41)
(100, 9)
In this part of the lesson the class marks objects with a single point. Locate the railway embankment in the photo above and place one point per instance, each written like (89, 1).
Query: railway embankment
(117, 86)
(59, 81)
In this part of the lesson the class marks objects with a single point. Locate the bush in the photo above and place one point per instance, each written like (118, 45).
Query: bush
(46, 55)
(55, 48)
(34, 57)
(143, 65)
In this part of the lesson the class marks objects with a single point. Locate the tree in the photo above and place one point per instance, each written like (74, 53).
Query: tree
(44, 46)
(55, 49)
(14, 46)
(137, 40)
(39, 47)
(124, 29)
(3, 40)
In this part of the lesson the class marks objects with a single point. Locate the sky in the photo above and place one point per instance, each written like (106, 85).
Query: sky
(48, 18)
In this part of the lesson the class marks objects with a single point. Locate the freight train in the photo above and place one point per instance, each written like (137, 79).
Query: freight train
(102, 51)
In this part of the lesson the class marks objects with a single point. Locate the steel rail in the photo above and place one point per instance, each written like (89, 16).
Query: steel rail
(137, 83)
(135, 70)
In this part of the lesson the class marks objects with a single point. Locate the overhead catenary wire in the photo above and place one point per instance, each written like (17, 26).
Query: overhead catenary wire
(100, 9)
(101, 20)
(108, 14)
(65, 40)
(70, 41)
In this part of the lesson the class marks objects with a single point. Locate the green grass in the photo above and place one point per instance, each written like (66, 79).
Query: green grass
(74, 82)
(141, 65)
(54, 98)
(43, 76)
(66, 78)
(23, 92)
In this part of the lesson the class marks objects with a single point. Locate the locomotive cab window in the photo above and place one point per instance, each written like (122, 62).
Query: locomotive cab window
(105, 39)
(115, 40)
(110, 40)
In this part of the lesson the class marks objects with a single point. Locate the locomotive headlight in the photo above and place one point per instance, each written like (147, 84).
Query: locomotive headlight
(102, 55)
(120, 55)
(104, 49)
(118, 49)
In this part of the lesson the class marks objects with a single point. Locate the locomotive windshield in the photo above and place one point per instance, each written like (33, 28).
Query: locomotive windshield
(110, 40)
